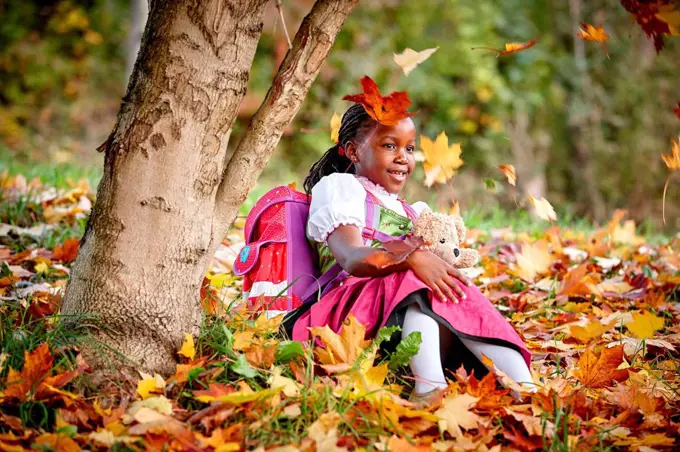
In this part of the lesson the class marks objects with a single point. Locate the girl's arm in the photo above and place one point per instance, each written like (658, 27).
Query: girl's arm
(347, 246)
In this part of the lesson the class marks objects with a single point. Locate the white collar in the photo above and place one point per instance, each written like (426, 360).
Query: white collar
(375, 188)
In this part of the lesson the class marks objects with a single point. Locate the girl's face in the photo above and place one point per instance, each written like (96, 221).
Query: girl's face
(386, 158)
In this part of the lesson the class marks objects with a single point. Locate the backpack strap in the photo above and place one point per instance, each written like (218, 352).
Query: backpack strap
(336, 274)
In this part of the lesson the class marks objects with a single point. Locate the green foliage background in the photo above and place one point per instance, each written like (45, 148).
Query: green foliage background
(594, 128)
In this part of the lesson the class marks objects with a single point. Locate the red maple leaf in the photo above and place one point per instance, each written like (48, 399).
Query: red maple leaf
(677, 111)
(645, 13)
(387, 110)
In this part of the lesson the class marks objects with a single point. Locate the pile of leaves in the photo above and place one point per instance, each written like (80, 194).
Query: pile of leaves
(599, 311)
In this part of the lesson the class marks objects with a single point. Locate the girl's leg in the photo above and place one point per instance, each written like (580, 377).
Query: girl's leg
(506, 359)
(426, 365)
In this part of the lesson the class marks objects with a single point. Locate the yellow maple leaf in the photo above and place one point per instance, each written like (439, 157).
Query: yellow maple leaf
(592, 330)
(409, 59)
(342, 349)
(591, 33)
(336, 121)
(188, 348)
(324, 432)
(543, 208)
(535, 259)
(441, 160)
(645, 324)
(455, 413)
(287, 385)
(626, 234)
(41, 268)
(148, 385)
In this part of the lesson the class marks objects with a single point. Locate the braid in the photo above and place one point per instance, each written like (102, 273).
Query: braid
(354, 122)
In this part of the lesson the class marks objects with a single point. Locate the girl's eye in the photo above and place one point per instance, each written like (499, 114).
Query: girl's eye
(442, 241)
(410, 148)
(388, 145)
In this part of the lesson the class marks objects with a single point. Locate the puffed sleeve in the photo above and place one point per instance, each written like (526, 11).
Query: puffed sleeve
(420, 207)
(337, 199)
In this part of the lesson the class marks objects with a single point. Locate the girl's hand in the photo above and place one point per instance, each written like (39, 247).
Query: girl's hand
(438, 275)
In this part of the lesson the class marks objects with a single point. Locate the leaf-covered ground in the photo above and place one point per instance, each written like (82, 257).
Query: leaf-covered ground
(599, 310)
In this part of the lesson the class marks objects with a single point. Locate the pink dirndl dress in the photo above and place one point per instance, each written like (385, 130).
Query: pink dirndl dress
(374, 300)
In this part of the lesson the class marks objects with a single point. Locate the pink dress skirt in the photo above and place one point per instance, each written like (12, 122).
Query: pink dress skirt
(374, 300)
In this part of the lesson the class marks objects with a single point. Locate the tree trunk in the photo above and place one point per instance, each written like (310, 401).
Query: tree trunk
(167, 196)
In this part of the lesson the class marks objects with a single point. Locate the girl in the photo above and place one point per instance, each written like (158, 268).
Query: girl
(423, 293)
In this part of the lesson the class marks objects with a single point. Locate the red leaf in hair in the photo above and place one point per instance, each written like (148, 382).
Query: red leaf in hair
(387, 110)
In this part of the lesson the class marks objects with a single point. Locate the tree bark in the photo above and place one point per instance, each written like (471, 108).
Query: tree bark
(167, 196)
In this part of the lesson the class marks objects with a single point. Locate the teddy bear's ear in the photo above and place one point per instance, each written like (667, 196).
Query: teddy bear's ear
(460, 228)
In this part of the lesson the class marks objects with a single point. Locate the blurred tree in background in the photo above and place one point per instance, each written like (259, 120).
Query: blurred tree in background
(581, 129)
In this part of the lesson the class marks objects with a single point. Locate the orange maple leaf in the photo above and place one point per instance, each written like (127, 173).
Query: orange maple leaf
(599, 372)
(67, 252)
(510, 47)
(509, 171)
(591, 33)
(387, 110)
(37, 365)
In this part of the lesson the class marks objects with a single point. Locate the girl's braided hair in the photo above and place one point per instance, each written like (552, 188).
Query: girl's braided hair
(355, 122)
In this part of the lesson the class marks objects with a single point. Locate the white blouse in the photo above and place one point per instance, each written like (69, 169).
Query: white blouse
(339, 199)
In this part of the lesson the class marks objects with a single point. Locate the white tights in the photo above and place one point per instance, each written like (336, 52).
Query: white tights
(426, 365)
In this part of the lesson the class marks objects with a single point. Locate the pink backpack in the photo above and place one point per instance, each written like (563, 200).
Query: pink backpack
(279, 266)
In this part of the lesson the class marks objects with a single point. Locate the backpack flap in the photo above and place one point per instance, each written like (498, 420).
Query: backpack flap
(248, 256)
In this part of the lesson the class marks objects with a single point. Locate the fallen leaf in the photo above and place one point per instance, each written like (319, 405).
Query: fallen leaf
(600, 372)
(455, 413)
(37, 365)
(148, 385)
(592, 330)
(188, 348)
(387, 110)
(543, 209)
(591, 33)
(343, 348)
(441, 160)
(535, 259)
(67, 251)
(57, 442)
(409, 59)
(645, 324)
(509, 171)
(324, 432)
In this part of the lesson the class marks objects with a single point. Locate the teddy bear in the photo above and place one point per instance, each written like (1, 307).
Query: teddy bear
(443, 235)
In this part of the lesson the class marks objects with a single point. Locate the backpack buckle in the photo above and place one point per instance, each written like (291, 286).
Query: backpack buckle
(368, 232)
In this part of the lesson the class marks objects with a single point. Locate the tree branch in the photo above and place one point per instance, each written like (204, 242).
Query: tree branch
(298, 70)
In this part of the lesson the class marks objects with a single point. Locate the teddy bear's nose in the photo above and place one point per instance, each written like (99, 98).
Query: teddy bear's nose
(456, 252)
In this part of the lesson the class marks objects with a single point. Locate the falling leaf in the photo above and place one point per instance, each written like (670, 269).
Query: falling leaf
(672, 161)
(677, 111)
(511, 47)
(188, 348)
(509, 171)
(591, 33)
(645, 324)
(336, 121)
(387, 110)
(441, 160)
(455, 413)
(535, 259)
(409, 59)
(599, 372)
(543, 209)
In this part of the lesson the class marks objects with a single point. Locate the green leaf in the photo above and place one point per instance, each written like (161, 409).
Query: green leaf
(243, 367)
(490, 185)
(406, 350)
(384, 334)
(288, 350)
